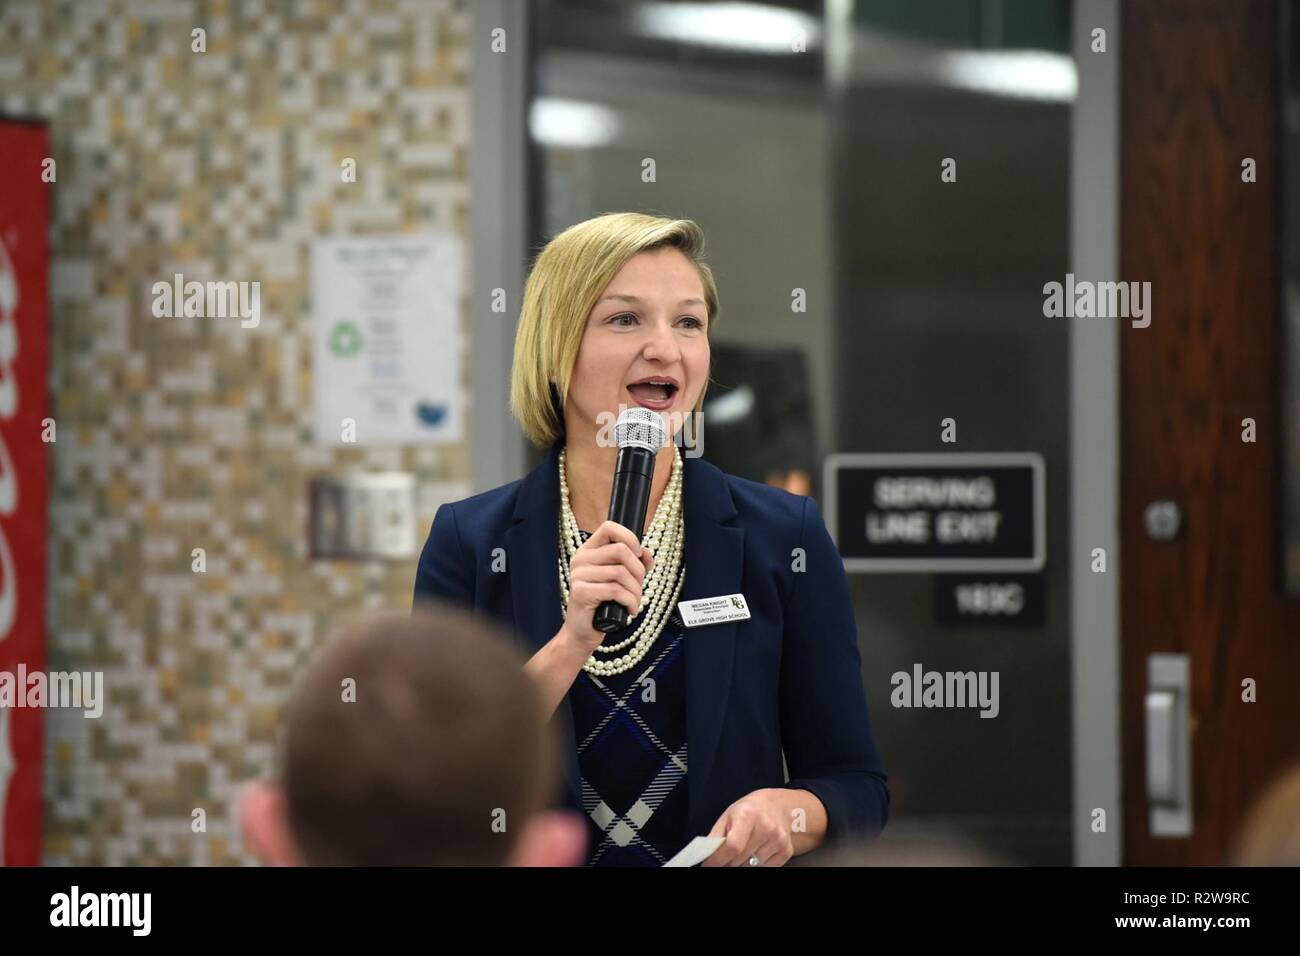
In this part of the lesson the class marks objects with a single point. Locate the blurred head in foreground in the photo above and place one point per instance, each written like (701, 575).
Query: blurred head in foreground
(414, 740)
(1270, 835)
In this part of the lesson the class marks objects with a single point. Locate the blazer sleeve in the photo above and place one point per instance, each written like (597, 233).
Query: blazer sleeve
(825, 728)
(444, 571)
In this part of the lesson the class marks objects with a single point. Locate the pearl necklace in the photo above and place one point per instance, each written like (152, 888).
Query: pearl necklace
(662, 585)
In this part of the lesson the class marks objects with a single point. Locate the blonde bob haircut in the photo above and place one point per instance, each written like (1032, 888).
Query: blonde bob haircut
(566, 280)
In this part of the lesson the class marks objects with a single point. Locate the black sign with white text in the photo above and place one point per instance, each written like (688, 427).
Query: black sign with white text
(958, 512)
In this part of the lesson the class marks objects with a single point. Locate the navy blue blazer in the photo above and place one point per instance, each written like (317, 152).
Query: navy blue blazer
(789, 678)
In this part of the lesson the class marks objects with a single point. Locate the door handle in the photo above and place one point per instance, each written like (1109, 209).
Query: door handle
(1168, 745)
(1160, 747)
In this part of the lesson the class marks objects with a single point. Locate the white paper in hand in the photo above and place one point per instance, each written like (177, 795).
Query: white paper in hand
(697, 851)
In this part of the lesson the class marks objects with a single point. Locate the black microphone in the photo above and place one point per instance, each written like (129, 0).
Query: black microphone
(640, 433)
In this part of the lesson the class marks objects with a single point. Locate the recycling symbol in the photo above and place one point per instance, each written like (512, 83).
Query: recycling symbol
(345, 339)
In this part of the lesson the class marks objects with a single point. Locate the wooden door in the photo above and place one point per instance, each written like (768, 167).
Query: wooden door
(1200, 94)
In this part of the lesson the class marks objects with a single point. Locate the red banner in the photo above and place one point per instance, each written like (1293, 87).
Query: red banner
(24, 338)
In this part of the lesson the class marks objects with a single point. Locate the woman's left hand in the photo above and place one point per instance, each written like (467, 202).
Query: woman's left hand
(758, 824)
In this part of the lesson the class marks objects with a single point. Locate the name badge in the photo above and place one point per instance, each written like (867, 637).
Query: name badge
(714, 610)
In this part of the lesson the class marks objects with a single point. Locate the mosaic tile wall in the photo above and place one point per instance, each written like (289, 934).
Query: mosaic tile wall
(183, 433)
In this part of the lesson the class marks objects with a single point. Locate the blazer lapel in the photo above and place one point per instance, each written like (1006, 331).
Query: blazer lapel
(532, 555)
(714, 555)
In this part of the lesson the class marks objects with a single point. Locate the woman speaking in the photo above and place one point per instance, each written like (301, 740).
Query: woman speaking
(678, 728)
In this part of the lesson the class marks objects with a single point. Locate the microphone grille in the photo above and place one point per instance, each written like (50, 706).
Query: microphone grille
(644, 427)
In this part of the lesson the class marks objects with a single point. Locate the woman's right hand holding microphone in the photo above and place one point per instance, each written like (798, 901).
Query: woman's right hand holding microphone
(611, 565)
